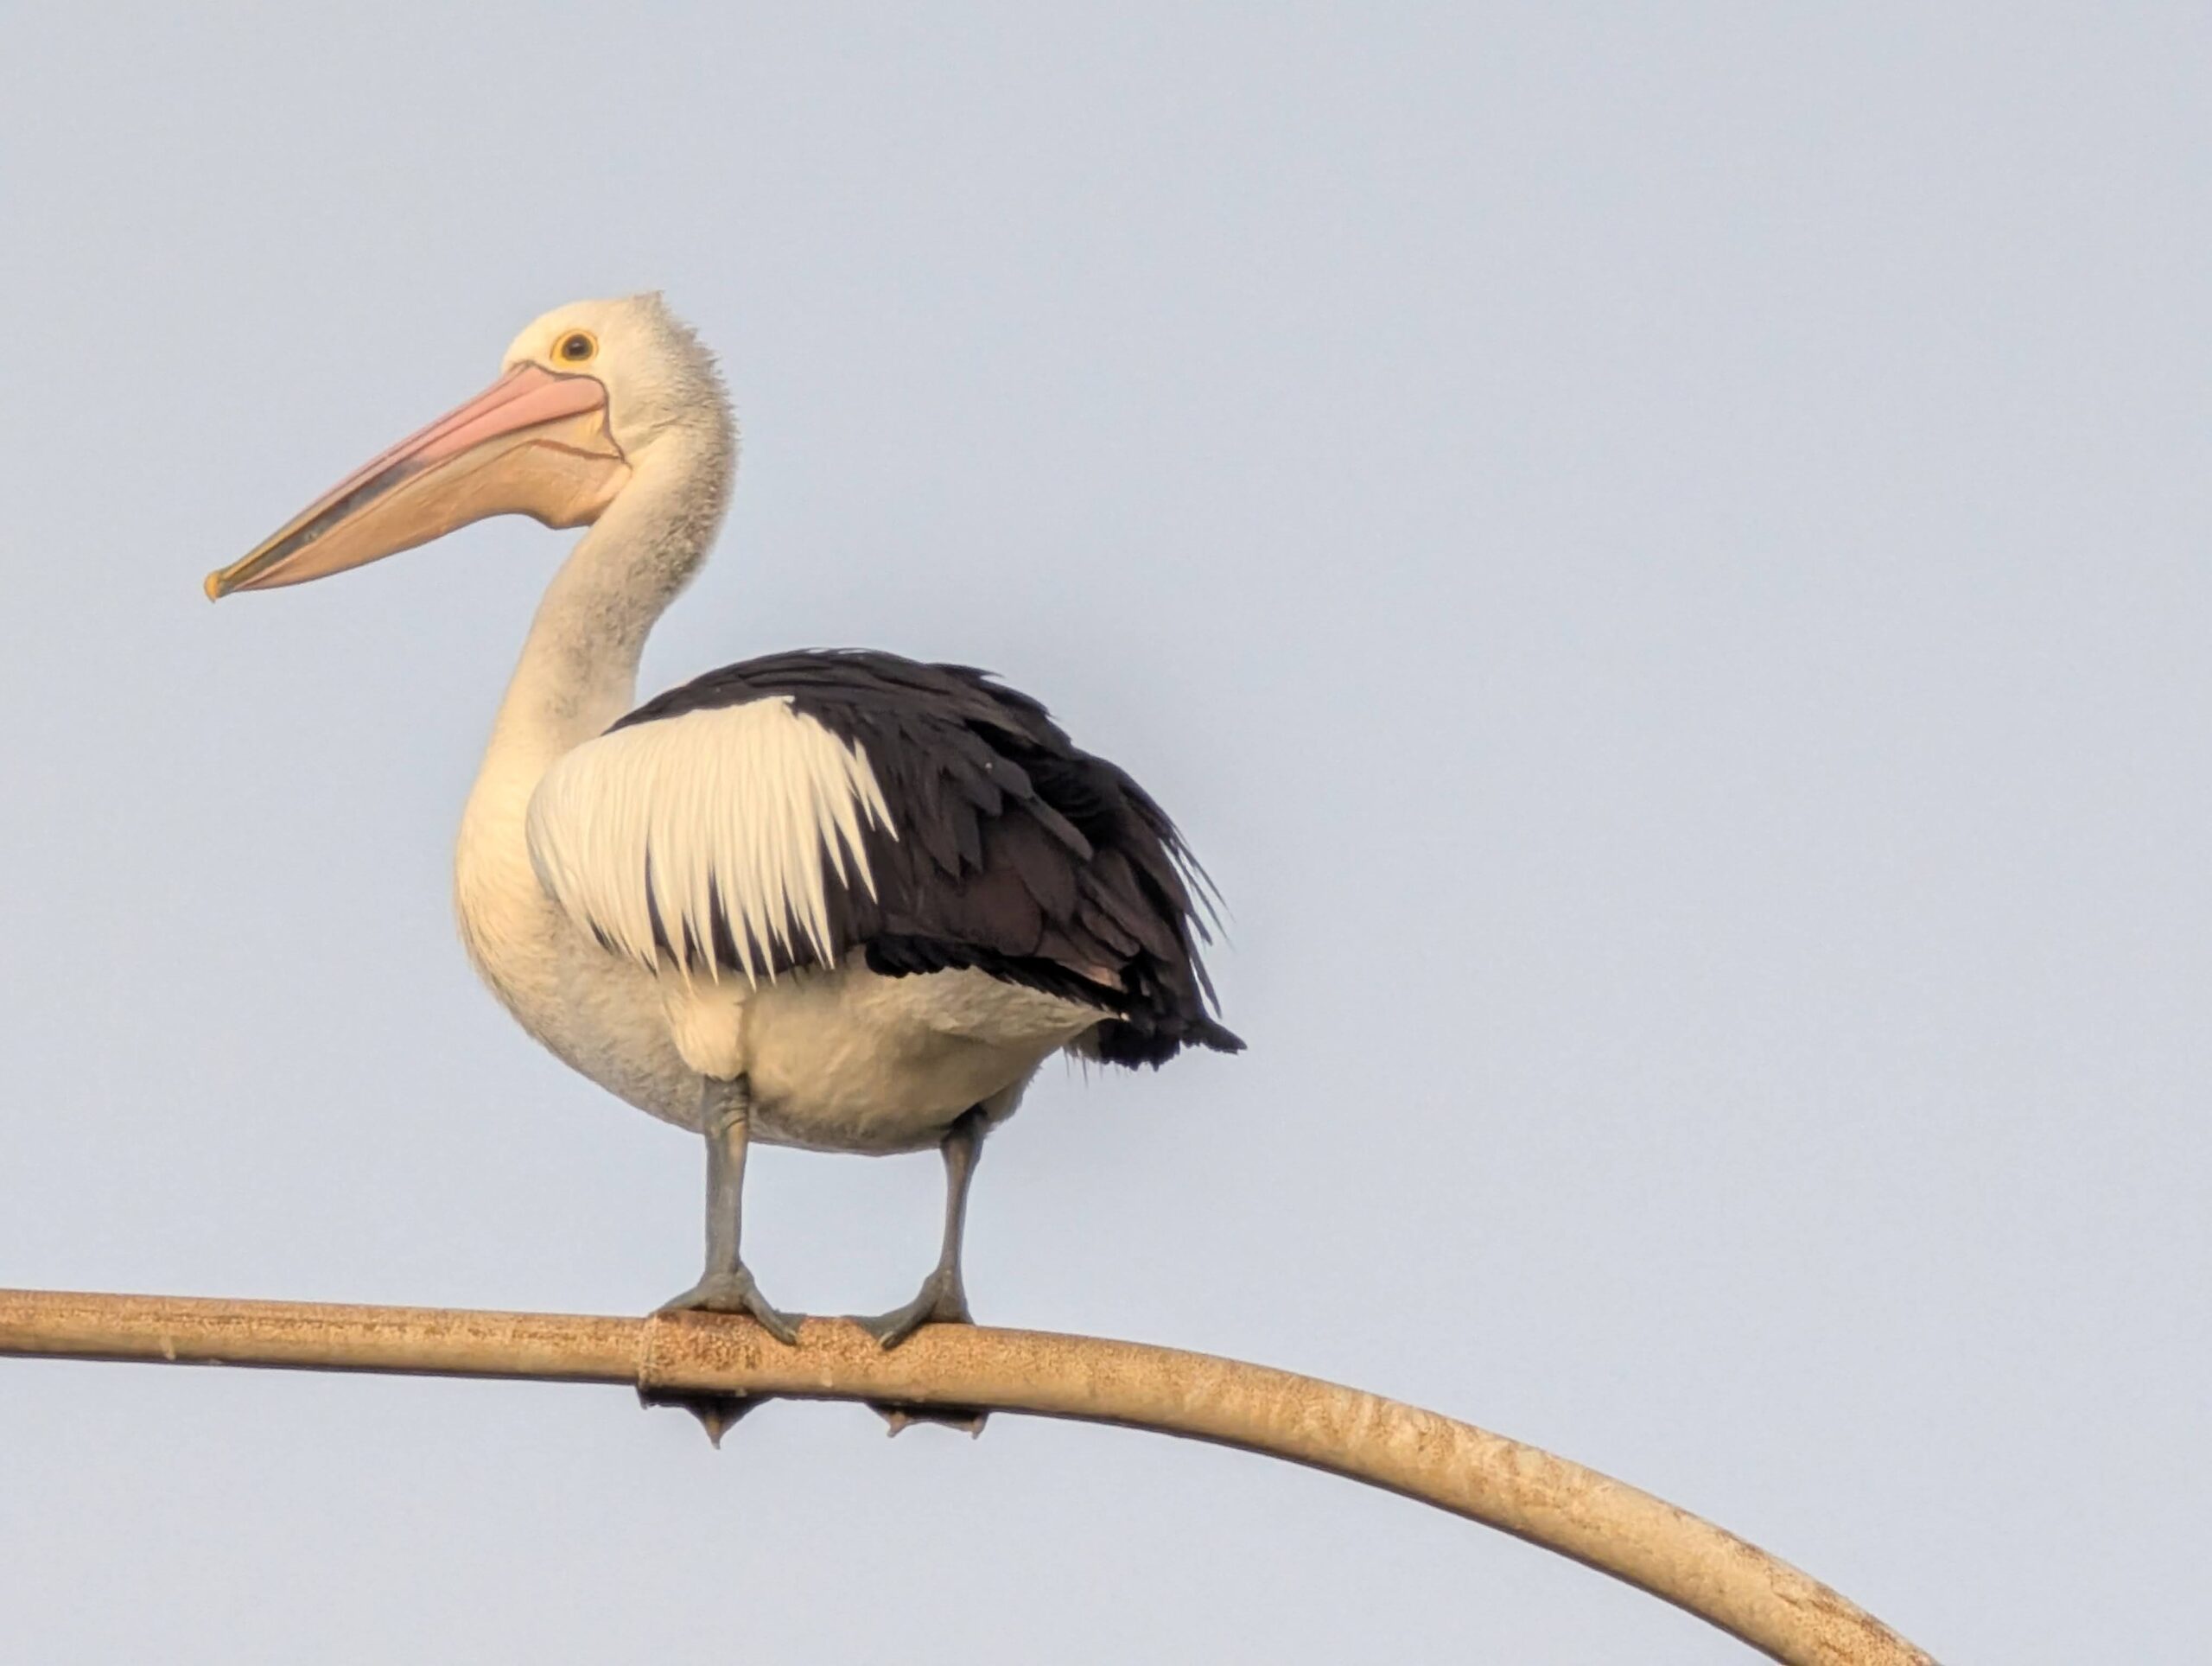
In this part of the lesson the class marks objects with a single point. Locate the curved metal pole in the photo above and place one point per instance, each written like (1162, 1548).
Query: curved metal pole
(1456, 1466)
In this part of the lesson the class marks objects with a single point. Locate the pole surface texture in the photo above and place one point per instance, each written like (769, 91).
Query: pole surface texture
(1455, 1466)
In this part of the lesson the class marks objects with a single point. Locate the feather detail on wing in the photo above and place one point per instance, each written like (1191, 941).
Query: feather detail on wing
(718, 838)
(796, 810)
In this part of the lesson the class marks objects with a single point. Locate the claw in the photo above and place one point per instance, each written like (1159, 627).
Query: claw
(968, 1419)
(716, 1412)
(735, 1291)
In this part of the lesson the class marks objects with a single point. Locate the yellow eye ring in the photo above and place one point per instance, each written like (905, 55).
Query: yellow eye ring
(576, 347)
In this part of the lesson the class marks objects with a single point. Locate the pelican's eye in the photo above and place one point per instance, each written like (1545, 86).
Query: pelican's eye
(576, 347)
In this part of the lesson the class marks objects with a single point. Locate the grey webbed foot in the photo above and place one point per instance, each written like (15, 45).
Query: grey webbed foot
(942, 1300)
(735, 1291)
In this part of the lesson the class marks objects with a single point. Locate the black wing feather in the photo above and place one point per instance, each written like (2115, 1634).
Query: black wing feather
(1012, 852)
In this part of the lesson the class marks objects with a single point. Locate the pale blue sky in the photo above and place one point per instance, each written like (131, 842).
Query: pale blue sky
(1660, 554)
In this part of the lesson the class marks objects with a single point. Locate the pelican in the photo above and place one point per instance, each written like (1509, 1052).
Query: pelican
(841, 900)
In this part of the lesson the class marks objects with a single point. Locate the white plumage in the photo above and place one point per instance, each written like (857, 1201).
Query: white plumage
(638, 835)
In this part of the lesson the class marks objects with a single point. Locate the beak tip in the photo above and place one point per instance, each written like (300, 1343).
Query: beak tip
(213, 584)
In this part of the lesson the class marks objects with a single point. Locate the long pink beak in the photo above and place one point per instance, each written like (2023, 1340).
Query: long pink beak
(532, 443)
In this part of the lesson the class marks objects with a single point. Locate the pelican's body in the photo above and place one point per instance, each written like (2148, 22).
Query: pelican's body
(839, 901)
(930, 1047)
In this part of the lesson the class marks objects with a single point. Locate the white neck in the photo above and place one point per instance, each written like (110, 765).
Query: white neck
(579, 667)
(578, 673)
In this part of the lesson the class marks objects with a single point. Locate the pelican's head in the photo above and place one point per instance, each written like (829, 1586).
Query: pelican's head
(584, 395)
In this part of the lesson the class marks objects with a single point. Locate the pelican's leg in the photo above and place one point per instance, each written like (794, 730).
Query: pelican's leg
(944, 1297)
(727, 1286)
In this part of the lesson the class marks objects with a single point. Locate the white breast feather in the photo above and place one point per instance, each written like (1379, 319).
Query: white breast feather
(746, 803)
